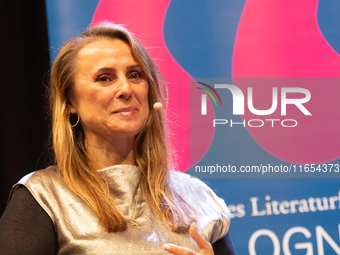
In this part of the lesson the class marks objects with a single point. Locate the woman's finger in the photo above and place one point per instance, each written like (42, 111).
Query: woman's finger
(204, 246)
(174, 249)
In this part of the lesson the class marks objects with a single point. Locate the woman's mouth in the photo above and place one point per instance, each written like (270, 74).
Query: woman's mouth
(127, 111)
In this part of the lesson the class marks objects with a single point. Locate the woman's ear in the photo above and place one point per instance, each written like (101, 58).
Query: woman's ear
(71, 108)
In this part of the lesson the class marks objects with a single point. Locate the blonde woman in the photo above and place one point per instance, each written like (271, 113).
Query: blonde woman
(111, 190)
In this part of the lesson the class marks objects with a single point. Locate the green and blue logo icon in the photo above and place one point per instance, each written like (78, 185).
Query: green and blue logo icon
(204, 97)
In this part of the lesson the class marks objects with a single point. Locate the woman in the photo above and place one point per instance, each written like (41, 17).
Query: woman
(111, 190)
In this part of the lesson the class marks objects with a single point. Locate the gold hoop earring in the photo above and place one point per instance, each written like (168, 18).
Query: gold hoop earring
(77, 120)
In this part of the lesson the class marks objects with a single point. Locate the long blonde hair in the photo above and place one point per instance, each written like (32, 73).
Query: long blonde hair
(151, 144)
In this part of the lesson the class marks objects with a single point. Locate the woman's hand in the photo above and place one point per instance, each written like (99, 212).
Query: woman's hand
(204, 246)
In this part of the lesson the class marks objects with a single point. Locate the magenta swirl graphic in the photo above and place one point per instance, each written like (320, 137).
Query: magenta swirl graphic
(271, 42)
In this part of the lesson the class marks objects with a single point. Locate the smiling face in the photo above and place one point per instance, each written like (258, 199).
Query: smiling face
(110, 93)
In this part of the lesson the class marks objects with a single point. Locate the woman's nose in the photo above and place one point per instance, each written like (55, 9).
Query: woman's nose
(124, 88)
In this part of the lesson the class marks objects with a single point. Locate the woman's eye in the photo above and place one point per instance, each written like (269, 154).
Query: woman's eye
(136, 76)
(103, 79)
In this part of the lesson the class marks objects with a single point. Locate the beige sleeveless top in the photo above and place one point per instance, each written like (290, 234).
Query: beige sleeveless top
(77, 227)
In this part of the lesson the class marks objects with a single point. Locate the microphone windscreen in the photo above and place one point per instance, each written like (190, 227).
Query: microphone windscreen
(157, 106)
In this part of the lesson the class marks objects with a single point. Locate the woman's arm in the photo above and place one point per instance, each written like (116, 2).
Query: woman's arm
(25, 228)
(224, 246)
